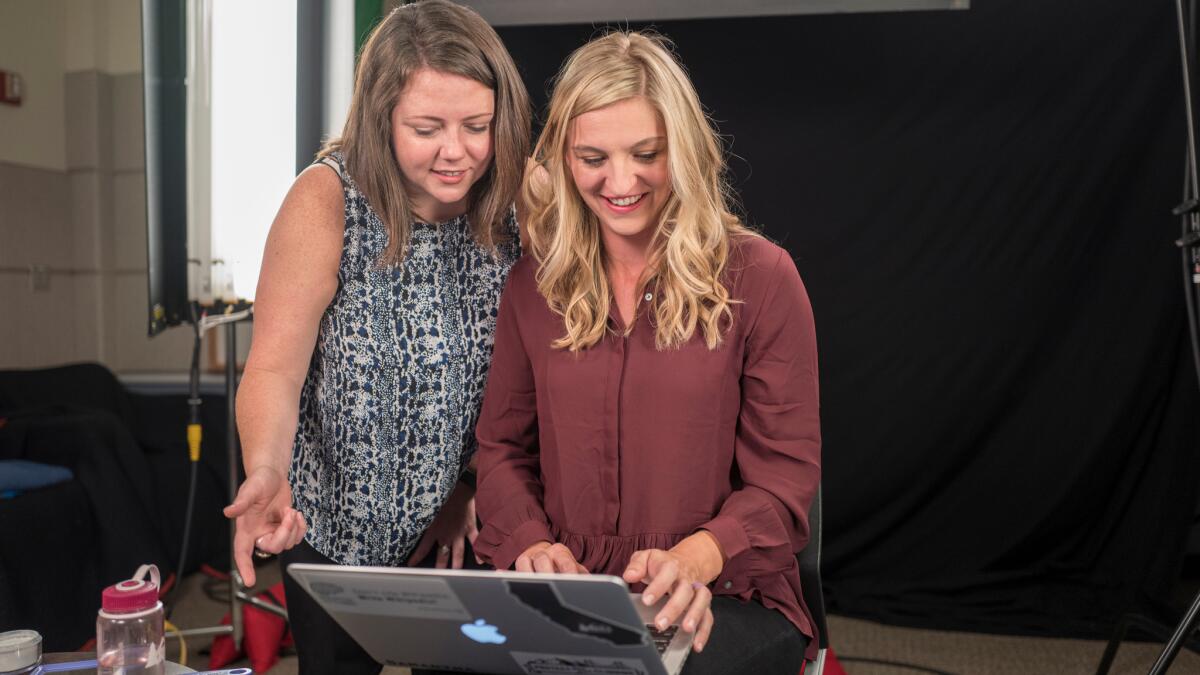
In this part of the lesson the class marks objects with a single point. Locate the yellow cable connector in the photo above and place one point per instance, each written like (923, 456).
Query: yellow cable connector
(194, 436)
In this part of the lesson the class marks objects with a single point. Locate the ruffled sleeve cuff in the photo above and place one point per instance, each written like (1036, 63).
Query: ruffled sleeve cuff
(500, 546)
(752, 533)
(729, 534)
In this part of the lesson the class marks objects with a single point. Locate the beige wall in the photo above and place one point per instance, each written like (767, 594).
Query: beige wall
(104, 35)
(72, 191)
(33, 45)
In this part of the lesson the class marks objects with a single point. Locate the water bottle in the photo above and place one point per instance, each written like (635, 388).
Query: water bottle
(129, 629)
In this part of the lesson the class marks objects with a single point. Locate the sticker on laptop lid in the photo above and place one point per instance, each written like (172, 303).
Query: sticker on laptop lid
(418, 598)
(569, 664)
(544, 599)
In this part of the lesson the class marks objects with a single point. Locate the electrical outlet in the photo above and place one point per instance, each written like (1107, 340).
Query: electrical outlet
(39, 278)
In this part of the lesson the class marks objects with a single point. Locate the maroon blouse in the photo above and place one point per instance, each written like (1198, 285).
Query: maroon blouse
(624, 447)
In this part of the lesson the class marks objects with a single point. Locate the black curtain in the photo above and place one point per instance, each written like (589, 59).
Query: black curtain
(979, 203)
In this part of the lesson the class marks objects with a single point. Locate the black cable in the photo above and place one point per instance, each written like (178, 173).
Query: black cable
(193, 454)
(893, 664)
(187, 529)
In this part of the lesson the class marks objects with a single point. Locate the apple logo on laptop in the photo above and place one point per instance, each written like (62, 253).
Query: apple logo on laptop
(483, 632)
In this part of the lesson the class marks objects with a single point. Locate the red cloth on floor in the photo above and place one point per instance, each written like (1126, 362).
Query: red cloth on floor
(265, 635)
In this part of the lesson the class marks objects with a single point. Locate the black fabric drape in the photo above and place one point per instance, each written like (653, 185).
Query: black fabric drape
(979, 204)
(125, 505)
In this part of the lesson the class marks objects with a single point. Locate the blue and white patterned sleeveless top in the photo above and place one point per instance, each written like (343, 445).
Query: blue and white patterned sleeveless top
(389, 406)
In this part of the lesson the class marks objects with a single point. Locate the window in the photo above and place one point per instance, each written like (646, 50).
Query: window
(243, 108)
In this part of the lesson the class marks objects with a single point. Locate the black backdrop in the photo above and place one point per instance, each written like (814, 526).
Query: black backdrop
(979, 204)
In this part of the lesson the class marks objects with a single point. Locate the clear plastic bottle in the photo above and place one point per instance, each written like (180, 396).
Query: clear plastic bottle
(129, 628)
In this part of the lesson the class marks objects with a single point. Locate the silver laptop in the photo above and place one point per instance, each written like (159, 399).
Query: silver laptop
(507, 623)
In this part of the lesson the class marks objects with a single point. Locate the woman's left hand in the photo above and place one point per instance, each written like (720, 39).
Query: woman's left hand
(683, 573)
(454, 524)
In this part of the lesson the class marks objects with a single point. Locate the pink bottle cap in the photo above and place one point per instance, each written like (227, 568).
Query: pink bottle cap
(132, 595)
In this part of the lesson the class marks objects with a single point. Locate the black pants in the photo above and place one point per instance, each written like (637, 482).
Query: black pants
(321, 644)
(746, 638)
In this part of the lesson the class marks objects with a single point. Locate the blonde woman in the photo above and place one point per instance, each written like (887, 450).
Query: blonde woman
(376, 309)
(652, 407)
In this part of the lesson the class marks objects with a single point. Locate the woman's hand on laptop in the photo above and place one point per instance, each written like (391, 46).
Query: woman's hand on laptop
(683, 574)
(454, 524)
(549, 558)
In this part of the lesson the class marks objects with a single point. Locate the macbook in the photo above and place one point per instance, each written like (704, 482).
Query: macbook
(496, 622)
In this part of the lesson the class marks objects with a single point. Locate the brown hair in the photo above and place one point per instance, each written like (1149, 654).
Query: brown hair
(451, 39)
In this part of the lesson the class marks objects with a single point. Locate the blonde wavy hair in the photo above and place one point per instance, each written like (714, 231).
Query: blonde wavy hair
(690, 246)
(451, 39)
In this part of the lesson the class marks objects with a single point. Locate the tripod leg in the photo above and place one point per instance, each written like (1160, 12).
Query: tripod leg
(1114, 643)
(1185, 628)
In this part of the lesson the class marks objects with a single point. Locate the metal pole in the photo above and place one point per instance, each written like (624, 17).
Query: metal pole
(231, 447)
(1187, 625)
(201, 632)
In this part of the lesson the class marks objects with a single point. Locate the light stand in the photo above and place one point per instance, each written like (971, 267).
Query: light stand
(237, 591)
(231, 450)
